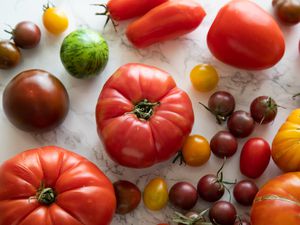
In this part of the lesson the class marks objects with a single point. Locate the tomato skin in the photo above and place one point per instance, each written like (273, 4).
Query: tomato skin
(279, 201)
(255, 157)
(155, 194)
(166, 21)
(238, 38)
(55, 20)
(196, 150)
(84, 195)
(127, 9)
(204, 77)
(136, 142)
(286, 146)
(10, 55)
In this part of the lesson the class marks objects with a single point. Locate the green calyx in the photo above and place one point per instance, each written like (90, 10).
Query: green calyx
(144, 109)
(45, 196)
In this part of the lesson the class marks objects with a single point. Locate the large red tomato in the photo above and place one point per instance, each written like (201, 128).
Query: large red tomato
(278, 202)
(50, 185)
(142, 117)
(246, 36)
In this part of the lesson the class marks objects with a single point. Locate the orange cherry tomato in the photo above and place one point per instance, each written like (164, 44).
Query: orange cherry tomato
(55, 20)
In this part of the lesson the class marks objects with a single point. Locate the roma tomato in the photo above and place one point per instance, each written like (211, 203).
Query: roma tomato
(238, 38)
(204, 77)
(127, 9)
(196, 150)
(55, 20)
(142, 117)
(155, 194)
(279, 201)
(166, 21)
(286, 146)
(255, 157)
(51, 185)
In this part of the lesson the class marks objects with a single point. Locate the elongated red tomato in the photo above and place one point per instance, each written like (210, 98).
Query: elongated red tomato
(127, 9)
(167, 21)
(50, 185)
(245, 36)
(142, 117)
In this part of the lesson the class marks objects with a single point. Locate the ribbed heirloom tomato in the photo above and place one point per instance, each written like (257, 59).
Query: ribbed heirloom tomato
(50, 185)
(142, 116)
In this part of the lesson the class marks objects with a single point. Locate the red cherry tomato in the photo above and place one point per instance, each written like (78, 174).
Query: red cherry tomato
(166, 21)
(255, 157)
(240, 36)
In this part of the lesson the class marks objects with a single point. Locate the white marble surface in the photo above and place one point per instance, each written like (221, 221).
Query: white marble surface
(78, 132)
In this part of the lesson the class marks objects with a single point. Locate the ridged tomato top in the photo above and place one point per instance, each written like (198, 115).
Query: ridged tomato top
(84, 195)
(136, 142)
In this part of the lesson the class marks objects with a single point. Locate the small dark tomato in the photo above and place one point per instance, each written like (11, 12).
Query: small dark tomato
(128, 196)
(35, 100)
(222, 213)
(244, 192)
(223, 144)
(26, 35)
(240, 124)
(221, 104)
(9, 55)
(263, 109)
(183, 195)
(288, 11)
(210, 188)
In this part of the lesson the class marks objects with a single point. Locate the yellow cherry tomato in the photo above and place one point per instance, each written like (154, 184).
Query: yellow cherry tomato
(204, 77)
(155, 194)
(55, 20)
(196, 150)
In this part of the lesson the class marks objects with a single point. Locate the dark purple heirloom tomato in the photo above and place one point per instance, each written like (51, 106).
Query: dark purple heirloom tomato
(240, 124)
(183, 195)
(223, 144)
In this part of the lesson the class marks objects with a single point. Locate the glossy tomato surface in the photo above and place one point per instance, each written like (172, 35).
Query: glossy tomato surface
(155, 196)
(77, 191)
(142, 116)
(279, 200)
(240, 36)
(10, 55)
(286, 146)
(35, 100)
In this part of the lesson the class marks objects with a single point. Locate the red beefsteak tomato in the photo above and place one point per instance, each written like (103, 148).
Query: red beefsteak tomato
(245, 36)
(50, 185)
(278, 201)
(142, 116)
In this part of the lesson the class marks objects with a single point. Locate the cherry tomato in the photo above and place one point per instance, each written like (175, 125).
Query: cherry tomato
(204, 77)
(26, 35)
(223, 144)
(183, 195)
(221, 104)
(210, 188)
(35, 100)
(155, 194)
(240, 124)
(55, 20)
(196, 150)
(255, 157)
(128, 196)
(9, 55)
(263, 109)
(288, 11)
(244, 192)
(222, 213)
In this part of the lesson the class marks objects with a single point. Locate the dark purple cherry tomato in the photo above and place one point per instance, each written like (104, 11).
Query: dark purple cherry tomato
(210, 188)
(9, 55)
(128, 196)
(244, 192)
(223, 144)
(183, 195)
(240, 124)
(288, 11)
(221, 104)
(35, 100)
(26, 35)
(263, 109)
(222, 213)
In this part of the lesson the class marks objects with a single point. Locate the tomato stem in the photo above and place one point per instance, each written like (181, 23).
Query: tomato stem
(107, 14)
(45, 196)
(144, 109)
(200, 219)
(48, 5)
(220, 118)
(179, 156)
